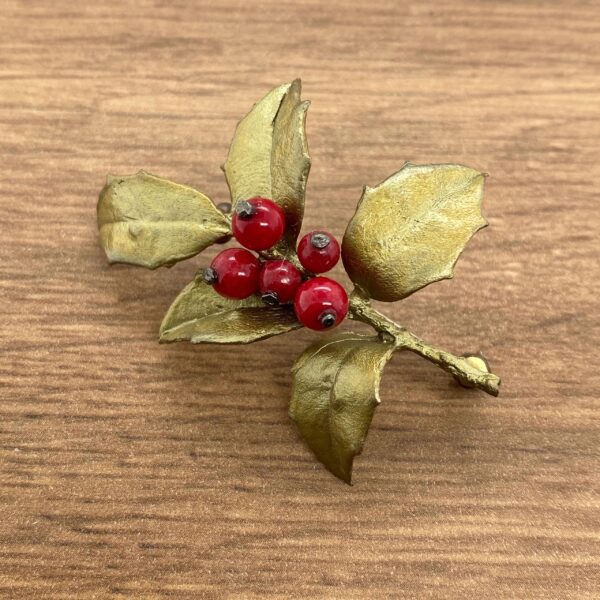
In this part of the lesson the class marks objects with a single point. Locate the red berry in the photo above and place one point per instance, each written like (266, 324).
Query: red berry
(318, 251)
(234, 273)
(278, 281)
(321, 303)
(258, 223)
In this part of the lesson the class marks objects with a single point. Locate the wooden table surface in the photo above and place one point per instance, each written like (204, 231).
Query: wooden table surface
(133, 469)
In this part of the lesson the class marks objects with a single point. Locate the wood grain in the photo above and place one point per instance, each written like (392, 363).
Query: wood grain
(133, 470)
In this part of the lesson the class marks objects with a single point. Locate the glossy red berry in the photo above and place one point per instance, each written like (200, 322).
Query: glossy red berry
(278, 281)
(321, 303)
(258, 223)
(318, 251)
(233, 273)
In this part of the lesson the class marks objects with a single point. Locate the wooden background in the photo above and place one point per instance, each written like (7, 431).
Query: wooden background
(138, 470)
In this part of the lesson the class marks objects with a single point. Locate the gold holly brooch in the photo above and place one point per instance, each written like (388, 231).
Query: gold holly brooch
(406, 233)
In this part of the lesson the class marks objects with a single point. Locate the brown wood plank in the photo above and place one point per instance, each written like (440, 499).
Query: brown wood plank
(132, 469)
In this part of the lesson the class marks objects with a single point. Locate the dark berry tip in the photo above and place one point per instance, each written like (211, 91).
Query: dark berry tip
(270, 298)
(210, 276)
(244, 210)
(328, 319)
(320, 240)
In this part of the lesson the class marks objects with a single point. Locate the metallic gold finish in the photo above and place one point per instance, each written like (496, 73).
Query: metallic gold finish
(335, 392)
(477, 361)
(200, 315)
(151, 222)
(269, 157)
(406, 233)
(460, 367)
(409, 231)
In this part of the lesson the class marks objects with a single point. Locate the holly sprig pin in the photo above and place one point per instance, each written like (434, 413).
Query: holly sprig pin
(406, 233)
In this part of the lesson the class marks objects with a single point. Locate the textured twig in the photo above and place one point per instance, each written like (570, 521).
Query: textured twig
(458, 366)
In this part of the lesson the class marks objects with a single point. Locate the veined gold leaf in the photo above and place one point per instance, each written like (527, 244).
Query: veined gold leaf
(201, 315)
(269, 156)
(335, 391)
(148, 221)
(410, 230)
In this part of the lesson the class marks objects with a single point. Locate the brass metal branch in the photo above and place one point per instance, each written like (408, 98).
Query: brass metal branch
(458, 366)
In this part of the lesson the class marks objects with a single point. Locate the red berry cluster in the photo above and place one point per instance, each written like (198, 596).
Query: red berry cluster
(258, 224)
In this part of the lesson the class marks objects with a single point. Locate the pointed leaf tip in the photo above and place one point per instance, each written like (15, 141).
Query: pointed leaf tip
(151, 222)
(200, 315)
(269, 156)
(334, 395)
(409, 230)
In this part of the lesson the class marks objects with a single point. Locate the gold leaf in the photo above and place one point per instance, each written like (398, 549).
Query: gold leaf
(410, 230)
(201, 315)
(269, 156)
(334, 394)
(148, 221)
